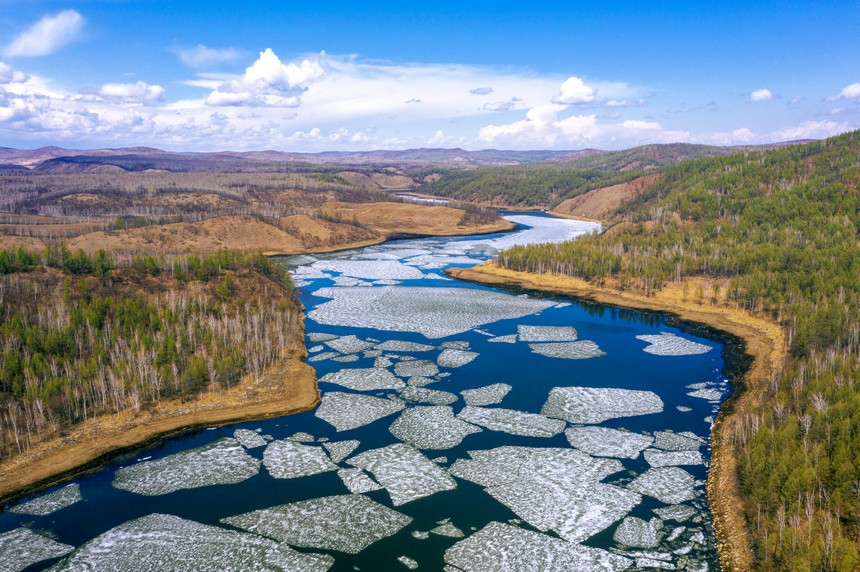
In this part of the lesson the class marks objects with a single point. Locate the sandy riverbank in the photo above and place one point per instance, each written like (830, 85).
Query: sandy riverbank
(762, 340)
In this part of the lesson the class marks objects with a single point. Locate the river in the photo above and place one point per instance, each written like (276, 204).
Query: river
(461, 427)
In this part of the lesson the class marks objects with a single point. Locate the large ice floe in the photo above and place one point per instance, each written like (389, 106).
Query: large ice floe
(599, 404)
(606, 442)
(657, 458)
(431, 396)
(346, 523)
(671, 441)
(416, 368)
(669, 485)
(583, 349)
(639, 533)
(487, 395)
(349, 344)
(667, 344)
(434, 312)
(432, 427)
(289, 460)
(364, 379)
(500, 547)
(220, 463)
(50, 503)
(370, 269)
(404, 472)
(345, 411)
(168, 543)
(512, 422)
(249, 439)
(551, 488)
(22, 547)
(546, 333)
(455, 358)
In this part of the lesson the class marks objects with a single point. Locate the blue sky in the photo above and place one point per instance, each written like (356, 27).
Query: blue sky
(195, 75)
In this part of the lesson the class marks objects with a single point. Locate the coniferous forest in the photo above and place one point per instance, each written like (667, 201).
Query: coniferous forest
(780, 228)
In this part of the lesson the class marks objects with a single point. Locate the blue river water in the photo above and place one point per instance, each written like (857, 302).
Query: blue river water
(535, 475)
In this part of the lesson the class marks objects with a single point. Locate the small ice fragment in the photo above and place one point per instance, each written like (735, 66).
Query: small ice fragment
(301, 437)
(432, 396)
(50, 503)
(316, 349)
(667, 344)
(679, 512)
(639, 533)
(320, 337)
(509, 339)
(512, 421)
(606, 442)
(546, 333)
(347, 411)
(340, 450)
(676, 441)
(346, 359)
(455, 358)
(669, 485)
(419, 381)
(408, 562)
(584, 349)
(364, 379)
(432, 427)
(357, 481)
(449, 530)
(440, 460)
(455, 345)
(372, 354)
(707, 394)
(21, 548)
(683, 409)
(487, 395)
(289, 460)
(416, 367)
(400, 346)
(323, 356)
(249, 439)
(382, 362)
(598, 404)
(420, 534)
(657, 458)
(349, 345)
(676, 532)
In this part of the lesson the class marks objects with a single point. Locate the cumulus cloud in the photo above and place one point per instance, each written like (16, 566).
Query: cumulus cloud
(47, 35)
(139, 92)
(481, 91)
(9, 75)
(637, 124)
(848, 92)
(268, 82)
(761, 95)
(201, 56)
(574, 91)
(501, 105)
(625, 102)
(810, 130)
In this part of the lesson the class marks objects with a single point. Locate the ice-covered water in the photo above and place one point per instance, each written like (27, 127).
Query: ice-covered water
(22, 547)
(598, 404)
(433, 427)
(50, 503)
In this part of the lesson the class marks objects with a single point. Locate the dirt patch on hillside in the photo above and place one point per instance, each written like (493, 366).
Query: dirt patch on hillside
(600, 204)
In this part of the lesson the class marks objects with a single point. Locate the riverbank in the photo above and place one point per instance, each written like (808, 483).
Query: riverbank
(763, 341)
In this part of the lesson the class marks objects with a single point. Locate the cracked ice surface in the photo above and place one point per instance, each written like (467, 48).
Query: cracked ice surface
(667, 344)
(50, 503)
(679, 512)
(22, 547)
(340, 450)
(551, 488)
(401, 346)
(583, 349)
(599, 404)
(290, 460)
(364, 379)
(171, 544)
(249, 439)
(500, 547)
(669, 485)
(434, 312)
(432, 427)
(639, 533)
(677, 441)
(455, 358)
(512, 421)
(345, 411)
(357, 481)
(349, 345)
(222, 462)
(658, 458)
(546, 333)
(416, 368)
(542, 230)
(346, 523)
(487, 395)
(370, 269)
(606, 442)
(405, 473)
(432, 396)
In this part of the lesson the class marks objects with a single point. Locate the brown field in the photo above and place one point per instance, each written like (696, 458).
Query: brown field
(600, 204)
(394, 219)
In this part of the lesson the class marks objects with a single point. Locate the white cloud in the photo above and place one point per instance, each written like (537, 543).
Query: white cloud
(625, 102)
(637, 124)
(270, 83)
(500, 105)
(574, 91)
(9, 75)
(848, 92)
(201, 56)
(742, 134)
(139, 92)
(481, 91)
(810, 130)
(47, 35)
(761, 95)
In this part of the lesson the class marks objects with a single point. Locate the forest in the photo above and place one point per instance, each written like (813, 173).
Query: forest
(780, 228)
(82, 335)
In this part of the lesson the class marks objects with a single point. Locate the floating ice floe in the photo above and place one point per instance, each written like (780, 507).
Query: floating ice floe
(364, 379)
(420, 534)
(434, 312)
(382, 362)
(357, 481)
(448, 529)
(290, 460)
(583, 349)
(346, 359)
(599, 404)
(606, 442)
(323, 356)
(345, 411)
(22, 547)
(310, 273)
(509, 339)
(432, 427)
(512, 421)
(551, 488)
(546, 333)
(346, 523)
(431, 396)
(487, 395)
(639, 533)
(402, 346)
(301, 437)
(171, 544)
(321, 337)
(370, 269)
(500, 547)
(386, 282)
(677, 441)
(315, 349)
(420, 381)
(669, 485)
(220, 463)
(349, 344)
(394, 254)
(405, 473)
(708, 394)
(455, 358)
(249, 439)
(679, 512)
(340, 450)
(408, 562)
(657, 458)
(50, 503)
(667, 344)
(455, 345)
(683, 409)
(416, 368)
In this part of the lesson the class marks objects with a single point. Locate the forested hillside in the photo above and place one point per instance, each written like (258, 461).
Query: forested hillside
(81, 337)
(779, 229)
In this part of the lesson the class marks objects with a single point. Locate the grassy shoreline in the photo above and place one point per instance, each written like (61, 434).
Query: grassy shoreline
(763, 341)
